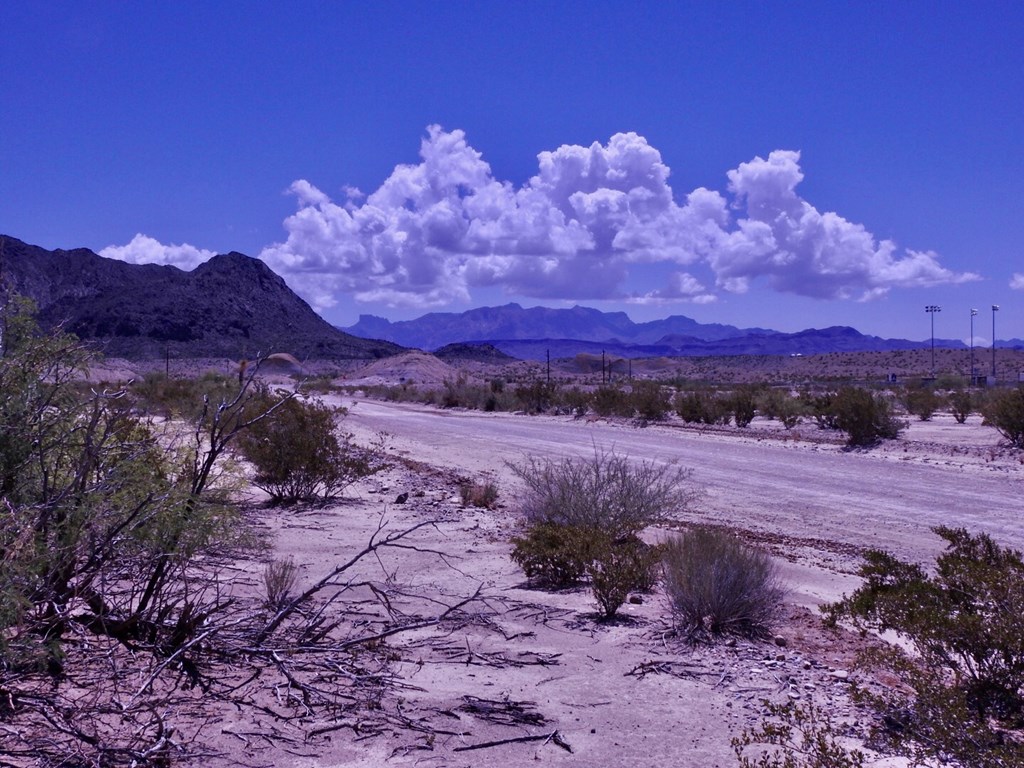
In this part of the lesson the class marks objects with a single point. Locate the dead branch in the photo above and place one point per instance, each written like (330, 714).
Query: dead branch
(554, 737)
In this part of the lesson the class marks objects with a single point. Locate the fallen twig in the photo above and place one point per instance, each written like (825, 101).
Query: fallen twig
(555, 737)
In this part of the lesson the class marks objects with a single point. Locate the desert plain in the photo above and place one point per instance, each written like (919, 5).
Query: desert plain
(528, 676)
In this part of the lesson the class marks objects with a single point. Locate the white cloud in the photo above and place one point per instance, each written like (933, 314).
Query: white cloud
(801, 250)
(435, 230)
(146, 250)
(1017, 281)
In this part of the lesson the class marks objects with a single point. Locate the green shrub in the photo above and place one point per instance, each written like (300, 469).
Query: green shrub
(704, 407)
(822, 406)
(865, 417)
(965, 624)
(612, 401)
(577, 401)
(717, 585)
(651, 401)
(1005, 411)
(618, 567)
(743, 404)
(535, 397)
(922, 402)
(960, 405)
(298, 455)
(553, 555)
(802, 735)
(690, 407)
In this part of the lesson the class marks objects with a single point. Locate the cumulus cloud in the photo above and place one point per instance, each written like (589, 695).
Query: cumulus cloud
(146, 250)
(435, 230)
(1017, 281)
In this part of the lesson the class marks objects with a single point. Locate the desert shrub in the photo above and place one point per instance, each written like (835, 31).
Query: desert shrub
(606, 491)
(535, 397)
(822, 406)
(100, 516)
(743, 404)
(553, 555)
(582, 516)
(460, 393)
(617, 567)
(1005, 411)
(322, 384)
(690, 407)
(174, 397)
(770, 402)
(717, 585)
(960, 405)
(964, 623)
(298, 456)
(922, 402)
(703, 407)
(577, 401)
(279, 579)
(800, 735)
(612, 401)
(865, 417)
(483, 495)
(790, 412)
(650, 400)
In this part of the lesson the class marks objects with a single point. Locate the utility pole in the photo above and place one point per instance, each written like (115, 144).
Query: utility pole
(995, 308)
(931, 309)
(973, 313)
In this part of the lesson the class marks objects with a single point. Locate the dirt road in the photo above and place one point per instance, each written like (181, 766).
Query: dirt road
(811, 493)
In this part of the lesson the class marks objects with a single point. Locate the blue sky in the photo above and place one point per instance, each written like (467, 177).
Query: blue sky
(783, 165)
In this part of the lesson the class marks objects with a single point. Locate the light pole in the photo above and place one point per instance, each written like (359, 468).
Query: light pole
(973, 313)
(931, 309)
(995, 308)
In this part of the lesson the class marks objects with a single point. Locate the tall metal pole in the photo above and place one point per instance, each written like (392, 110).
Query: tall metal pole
(931, 309)
(995, 308)
(973, 313)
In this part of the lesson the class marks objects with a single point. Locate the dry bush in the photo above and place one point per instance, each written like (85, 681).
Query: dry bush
(717, 585)
(279, 579)
(605, 491)
(583, 516)
(483, 495)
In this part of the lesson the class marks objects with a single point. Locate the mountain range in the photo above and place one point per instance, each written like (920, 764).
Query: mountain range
(230, 306)
(534, 333)
(236, 306)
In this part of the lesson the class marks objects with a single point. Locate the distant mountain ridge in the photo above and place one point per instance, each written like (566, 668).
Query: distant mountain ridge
(534, 333)
(513, 322)
(230, 306)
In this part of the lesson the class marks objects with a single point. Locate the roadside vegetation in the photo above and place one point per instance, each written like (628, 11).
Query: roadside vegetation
(121, 628)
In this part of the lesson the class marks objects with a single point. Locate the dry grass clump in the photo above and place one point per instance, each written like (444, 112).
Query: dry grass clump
(717, 585)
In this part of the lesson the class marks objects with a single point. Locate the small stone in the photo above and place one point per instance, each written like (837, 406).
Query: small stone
(636, 600)
(841, 674)
(730, 643)
(780, 641)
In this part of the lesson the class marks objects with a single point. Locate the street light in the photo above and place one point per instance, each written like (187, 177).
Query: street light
(995, 308)
(931, 309)
(973, 313)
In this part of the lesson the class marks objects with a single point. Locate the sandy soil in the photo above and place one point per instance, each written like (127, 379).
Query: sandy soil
(529, 662)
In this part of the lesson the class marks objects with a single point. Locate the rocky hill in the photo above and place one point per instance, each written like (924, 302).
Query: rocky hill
(231, 306)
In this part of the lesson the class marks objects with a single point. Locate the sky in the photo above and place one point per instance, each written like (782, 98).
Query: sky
(782, 165)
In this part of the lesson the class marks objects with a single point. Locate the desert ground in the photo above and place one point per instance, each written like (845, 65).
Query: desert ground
(536, 671)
